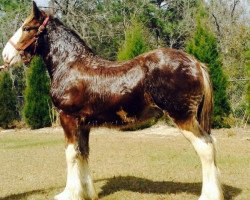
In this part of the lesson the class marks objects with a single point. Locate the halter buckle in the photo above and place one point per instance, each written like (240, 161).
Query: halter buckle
(40, 29)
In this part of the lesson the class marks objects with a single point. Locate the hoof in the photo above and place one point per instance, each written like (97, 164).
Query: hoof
(60, 196)
(66, 195)
(204, 197)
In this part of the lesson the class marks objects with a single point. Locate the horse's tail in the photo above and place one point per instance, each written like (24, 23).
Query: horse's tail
(206, 107)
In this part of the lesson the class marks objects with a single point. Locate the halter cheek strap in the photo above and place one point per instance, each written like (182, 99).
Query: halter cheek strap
(42, 27)
(32, 40)
(23, 47)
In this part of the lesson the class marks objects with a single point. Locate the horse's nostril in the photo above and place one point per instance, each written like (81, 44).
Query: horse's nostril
(5, 57)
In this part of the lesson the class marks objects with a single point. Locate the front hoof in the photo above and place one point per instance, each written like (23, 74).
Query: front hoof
(204, 197)
(66, 195)
(61, 196)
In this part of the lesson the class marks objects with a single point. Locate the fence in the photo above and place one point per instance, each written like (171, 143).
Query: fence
(237, 96)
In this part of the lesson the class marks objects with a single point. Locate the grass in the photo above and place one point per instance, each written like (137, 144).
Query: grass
(28, 143)
(125, 165)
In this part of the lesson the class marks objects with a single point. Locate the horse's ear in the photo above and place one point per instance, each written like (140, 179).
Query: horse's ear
(35, 11)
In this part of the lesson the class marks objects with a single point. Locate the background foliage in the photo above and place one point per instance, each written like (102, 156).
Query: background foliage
(135, 42)
(8, 101)
(204, 47)
(37, 108)
(106, 26)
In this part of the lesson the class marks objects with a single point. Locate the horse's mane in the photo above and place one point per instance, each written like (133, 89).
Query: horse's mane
(74, 34)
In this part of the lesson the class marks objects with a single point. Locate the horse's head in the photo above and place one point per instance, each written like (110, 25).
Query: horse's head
(22, 45)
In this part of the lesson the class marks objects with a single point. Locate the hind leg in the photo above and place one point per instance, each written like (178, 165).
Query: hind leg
(79, 183)
(204, 146)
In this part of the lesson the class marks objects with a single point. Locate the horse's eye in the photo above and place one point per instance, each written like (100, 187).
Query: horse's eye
(26, 29)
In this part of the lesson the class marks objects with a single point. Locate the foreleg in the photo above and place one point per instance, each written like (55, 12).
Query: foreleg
(79, 183)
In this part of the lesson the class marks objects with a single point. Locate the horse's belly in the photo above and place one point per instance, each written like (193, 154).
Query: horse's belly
(118, 109)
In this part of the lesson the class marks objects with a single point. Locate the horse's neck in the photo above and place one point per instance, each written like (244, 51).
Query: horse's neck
(63, 47)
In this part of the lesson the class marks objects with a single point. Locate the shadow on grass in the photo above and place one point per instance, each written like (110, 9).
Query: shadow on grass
(141, 185)
(25, 195)
(135, 184)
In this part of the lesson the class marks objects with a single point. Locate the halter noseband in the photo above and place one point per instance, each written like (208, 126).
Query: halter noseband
(32, 40)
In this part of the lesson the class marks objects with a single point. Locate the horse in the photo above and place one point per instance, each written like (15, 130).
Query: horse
(89, 91)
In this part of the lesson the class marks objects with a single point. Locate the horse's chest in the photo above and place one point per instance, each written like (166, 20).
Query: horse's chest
(67, 93)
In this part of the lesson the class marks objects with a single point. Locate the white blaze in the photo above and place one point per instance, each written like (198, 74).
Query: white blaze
(10, 54)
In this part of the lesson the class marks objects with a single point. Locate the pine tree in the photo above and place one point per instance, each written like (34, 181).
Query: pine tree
(36, 96)
(204, 47)
(135, 42)
(18, 76)
(8, 101)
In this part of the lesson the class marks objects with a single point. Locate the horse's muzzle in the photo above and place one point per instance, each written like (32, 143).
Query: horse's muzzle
(4, 66)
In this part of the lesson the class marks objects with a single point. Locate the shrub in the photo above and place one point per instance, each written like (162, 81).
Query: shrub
(8, 101)
(18, 76)
(135, 42)
(36, 96)
(204, 47)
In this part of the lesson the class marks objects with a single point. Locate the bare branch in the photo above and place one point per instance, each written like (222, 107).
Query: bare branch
(234, 6)
(217, 24)
(66, 10)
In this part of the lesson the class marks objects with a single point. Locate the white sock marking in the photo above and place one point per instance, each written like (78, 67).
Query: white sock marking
(211, 187)
(79, 181)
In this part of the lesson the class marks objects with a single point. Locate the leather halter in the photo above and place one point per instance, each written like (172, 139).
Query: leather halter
(33, 39)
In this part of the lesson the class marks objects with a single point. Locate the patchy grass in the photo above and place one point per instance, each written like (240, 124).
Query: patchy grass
(152, 164)
(27, 143)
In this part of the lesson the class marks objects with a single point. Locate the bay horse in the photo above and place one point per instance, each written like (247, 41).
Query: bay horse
(90, 91)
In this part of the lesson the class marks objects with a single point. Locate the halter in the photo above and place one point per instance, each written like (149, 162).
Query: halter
(32, 40)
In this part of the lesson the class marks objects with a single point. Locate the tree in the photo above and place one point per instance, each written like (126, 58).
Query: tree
(11, 15)
(230, 23)
(204, 47)
(102, 23)
(229, 20)
(37, 106)
(135, 42)
(18, 76)
(8, 101)
(171, 21)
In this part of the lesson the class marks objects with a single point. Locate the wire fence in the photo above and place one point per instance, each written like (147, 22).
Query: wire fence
(237, 92)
